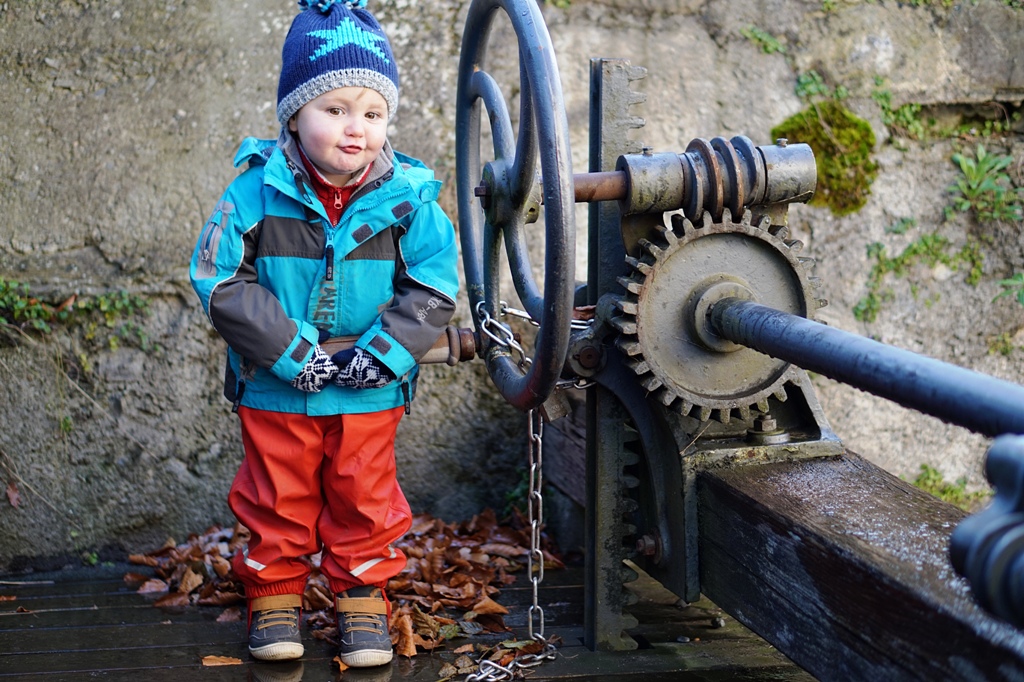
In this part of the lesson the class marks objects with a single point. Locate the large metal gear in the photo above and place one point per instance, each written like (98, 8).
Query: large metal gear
(680, 274)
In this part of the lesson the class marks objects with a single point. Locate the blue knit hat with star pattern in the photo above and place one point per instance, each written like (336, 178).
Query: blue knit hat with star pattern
(334, 45)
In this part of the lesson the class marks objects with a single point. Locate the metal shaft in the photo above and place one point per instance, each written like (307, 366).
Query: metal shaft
(955, 395)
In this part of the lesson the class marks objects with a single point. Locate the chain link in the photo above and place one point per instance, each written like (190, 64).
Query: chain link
(501, 334)
(489, 670)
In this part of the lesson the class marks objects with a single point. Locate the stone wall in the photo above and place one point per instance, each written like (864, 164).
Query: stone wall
(120, 121)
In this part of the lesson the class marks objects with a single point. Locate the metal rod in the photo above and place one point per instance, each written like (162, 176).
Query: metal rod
(600, 186)
(978, 402)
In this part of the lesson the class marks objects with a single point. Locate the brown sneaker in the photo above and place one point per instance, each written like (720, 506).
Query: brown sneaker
(363, 627)
(274, 627)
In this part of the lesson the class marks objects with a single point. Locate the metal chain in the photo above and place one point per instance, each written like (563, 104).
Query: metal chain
(501, 334)
(489, 670)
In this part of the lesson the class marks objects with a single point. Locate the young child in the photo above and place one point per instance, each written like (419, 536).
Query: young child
(328, 232)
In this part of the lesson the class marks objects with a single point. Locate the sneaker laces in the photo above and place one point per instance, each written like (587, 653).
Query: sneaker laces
(366, 622)
(268, 618)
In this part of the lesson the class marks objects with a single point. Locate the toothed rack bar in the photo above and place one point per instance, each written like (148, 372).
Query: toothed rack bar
(955, 395)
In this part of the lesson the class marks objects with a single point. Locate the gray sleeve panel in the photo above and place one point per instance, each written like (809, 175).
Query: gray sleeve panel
(248, 316)
(418, 314)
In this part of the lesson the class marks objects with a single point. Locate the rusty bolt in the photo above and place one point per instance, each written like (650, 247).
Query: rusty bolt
(589, 357)
(647, 546)
(484, 193)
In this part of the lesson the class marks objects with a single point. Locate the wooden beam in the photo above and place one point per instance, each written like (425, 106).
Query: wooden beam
(844, 568)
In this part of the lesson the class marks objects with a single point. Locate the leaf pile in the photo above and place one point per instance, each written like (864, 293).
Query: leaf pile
(458, 567)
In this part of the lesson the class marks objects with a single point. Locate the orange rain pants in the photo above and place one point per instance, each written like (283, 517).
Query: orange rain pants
(318, 483)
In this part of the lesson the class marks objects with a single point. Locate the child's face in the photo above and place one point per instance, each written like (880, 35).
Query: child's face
(342, 130)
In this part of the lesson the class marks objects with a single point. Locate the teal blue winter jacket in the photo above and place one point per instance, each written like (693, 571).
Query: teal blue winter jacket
(272, 272)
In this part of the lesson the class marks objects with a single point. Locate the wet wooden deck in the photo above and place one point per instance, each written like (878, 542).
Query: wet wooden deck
(87, 624)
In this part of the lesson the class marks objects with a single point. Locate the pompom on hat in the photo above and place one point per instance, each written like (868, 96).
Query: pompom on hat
(334, 45)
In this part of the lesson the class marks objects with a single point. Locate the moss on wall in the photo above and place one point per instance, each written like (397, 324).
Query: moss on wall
(842, 143)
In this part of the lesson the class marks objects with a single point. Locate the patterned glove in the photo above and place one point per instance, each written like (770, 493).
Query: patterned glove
(359, 369)
(317, 373)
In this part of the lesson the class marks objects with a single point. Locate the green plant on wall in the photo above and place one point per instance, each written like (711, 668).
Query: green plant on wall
(109, 318)
(930, 480)
(841, 141)
(1012, 287)
(930, 249)
(904, 120)
(768, 43)
(1002, 344)
(984, 188)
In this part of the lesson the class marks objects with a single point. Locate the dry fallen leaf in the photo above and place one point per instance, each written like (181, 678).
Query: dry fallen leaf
(406, 644)
(172, 599)
(210, 661)
(190, 581)
(232, 614)
(13, 496)
(154, 585)
(489, 606)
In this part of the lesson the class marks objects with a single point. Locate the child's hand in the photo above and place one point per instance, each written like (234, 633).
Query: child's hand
(359, 369)
(317, 373)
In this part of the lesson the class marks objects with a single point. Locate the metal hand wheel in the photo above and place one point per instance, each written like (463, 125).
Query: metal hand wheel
(497, 200)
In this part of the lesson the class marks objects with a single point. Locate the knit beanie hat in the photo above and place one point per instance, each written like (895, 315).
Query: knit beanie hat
(332, 45)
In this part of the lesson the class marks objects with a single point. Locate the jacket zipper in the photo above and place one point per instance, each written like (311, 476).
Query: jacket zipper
(406, 393)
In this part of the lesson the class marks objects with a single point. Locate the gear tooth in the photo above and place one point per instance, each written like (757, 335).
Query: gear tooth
(781, 395)
(627, 306)
(821, 302)
(629, 505)
(627, 574)
(706, 219)
(630, 482)
(635, 73)
(631, 285)
(638, 265)
(747, 218)
(638, 365)
(665, 397)
(651, 383)
(684, 407)
(630, 347)
(650, 247)
(727, 216)
(794, 244)
(806, 261)
(723, 415)
(765, 223)
(780, 231)
(762, 405)
(814, 282)
(744, 412)
(703, 413)
(670, 237)
(624, 325)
